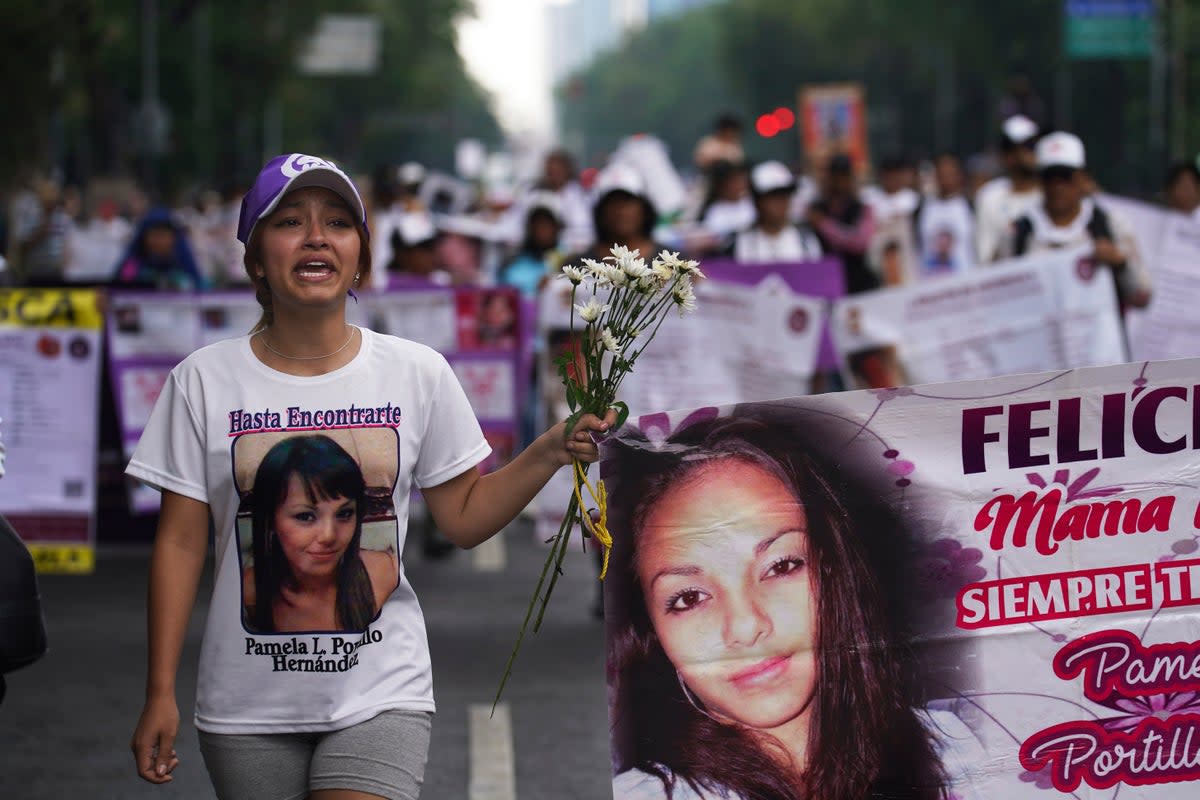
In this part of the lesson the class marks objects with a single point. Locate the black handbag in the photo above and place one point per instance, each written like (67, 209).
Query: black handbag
(22, 627)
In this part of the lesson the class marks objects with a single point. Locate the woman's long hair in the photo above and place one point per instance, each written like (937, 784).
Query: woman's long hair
(327, 472)
(865, 740)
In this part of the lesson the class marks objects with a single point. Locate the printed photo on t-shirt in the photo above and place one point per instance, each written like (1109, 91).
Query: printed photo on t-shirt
(317, 532)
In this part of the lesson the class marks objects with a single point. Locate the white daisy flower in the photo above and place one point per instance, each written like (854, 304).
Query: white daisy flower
(575, 275)
(610, 342)
(599, 271)
(591, 312)
(685, 297)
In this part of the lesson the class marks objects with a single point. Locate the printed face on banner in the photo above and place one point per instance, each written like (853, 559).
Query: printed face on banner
(986, 589)
(317, 529)
(730, 593)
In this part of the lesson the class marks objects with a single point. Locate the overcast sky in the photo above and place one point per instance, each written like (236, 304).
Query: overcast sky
(505, 49)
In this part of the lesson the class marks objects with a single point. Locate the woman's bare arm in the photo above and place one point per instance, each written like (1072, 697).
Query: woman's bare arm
(180, 547)
(471, 508)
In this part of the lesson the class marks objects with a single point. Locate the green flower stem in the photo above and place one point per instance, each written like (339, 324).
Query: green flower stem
(554, 557)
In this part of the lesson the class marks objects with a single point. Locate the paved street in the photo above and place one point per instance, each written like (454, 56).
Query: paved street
(65, 725)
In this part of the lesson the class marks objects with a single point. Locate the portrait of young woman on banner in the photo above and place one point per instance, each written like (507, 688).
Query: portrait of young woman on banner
(756, 649)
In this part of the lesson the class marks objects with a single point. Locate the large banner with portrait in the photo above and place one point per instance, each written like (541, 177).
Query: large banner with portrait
(49, 422)
(981, 590)
(1041, 312)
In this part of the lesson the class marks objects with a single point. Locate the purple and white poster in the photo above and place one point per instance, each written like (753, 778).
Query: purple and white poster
(978, 590)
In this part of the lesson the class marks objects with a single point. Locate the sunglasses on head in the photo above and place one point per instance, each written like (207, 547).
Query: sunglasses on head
(1059, 174)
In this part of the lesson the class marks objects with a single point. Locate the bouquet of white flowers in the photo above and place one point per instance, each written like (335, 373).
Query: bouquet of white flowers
(627, 302)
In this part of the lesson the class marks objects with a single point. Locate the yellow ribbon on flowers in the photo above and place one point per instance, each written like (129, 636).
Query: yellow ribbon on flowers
(598, 528)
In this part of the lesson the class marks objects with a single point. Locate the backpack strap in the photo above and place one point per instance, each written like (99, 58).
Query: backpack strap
(1098, 226)
(1022, 233)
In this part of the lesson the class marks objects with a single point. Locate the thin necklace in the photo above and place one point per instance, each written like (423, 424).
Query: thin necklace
(263, 339)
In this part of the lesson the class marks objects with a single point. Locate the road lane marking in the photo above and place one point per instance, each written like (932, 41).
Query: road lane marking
(491, 772)
(491, 556)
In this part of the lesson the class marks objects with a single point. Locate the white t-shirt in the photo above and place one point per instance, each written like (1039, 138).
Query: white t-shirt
(886, 206)
(756, 246)
(997, 206)
(726, 217)
(947, 227)
(1045, 236)
(398, 410)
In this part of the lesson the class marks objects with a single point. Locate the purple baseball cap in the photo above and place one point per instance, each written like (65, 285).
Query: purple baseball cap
(284, 173)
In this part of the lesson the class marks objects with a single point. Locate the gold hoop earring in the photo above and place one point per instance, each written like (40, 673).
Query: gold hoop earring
(691, 697)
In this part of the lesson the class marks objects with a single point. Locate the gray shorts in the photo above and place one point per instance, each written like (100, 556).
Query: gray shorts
(384, 755)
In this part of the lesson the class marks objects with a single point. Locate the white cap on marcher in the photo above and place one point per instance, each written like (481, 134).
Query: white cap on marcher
(1019, 129)
(618, 178)
(1060, 149)
(410, 172)
(771, 176)
(416, 228)
(545, 201)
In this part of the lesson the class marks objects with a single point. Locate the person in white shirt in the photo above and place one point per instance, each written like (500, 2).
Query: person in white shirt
(98, 244)
(728, 208)
(895, 197)
(945, 223)
(1001, 200)
(1068, 218)
(774, 238)
(334, 703)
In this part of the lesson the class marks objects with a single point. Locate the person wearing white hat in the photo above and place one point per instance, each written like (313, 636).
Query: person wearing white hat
(1001, 200)
(1068, 218)
(773, 238)
(622, 214)
(728, 208)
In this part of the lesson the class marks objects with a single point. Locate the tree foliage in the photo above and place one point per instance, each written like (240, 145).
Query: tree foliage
(934, 75)
(228, 83)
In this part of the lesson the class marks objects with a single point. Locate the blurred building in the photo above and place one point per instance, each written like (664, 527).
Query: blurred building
(580, 29)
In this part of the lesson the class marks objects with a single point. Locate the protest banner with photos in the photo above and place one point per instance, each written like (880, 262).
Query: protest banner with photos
(824, 279)
(49, 413)
(984, 588)
(1170, 248)
(1047, 311)
(482, 334)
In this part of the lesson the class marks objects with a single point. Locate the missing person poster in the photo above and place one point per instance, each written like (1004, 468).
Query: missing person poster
(49, 422)
(981, 590)
(1041, 312)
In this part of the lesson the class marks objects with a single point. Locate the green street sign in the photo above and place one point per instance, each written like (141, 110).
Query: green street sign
(1108, 28)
